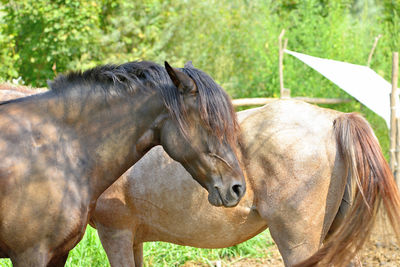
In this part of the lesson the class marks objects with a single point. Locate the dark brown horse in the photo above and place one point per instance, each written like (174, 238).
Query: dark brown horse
(300, 161)
(61, 149)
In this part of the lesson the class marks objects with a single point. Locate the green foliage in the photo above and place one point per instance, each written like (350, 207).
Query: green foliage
(234, 40)
(391, 20)
(45, 37)
(138, 30)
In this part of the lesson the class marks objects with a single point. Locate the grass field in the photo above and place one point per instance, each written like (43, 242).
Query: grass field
(89, 252)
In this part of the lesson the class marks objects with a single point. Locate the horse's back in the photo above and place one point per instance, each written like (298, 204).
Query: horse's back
(10, 94)
(290, 126)
(11, 91)
(293, 114)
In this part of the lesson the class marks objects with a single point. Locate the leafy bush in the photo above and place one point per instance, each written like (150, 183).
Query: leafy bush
(45, 37)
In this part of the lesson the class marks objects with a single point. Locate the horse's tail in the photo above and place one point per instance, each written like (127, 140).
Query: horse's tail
(375, 183)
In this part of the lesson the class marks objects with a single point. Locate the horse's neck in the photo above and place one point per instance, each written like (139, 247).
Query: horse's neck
(114, 131)
(123, 134)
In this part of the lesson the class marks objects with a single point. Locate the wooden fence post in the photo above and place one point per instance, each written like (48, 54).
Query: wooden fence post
(284, 93)
(393, 117)
(373, 49)
(395, 114)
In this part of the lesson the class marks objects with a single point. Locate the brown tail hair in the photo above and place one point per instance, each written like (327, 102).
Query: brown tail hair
(375, 184)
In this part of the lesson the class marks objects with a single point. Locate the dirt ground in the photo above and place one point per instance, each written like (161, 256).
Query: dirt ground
(381, 250)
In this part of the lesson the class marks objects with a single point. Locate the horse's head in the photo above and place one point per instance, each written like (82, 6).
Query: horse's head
(203, 140)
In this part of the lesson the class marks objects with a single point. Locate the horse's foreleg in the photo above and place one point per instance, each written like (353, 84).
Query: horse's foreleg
(30, 258)
(59, 261)
(3, 254)
(118, 244)
(138, 254)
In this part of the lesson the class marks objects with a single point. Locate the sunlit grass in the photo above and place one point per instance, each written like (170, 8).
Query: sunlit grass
(89, 252)
(165, 254)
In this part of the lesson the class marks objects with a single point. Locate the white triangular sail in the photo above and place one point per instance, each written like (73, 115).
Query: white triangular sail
(361, 82)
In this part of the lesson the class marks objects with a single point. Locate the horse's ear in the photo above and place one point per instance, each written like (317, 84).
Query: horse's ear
(189, 65)
(183, 82)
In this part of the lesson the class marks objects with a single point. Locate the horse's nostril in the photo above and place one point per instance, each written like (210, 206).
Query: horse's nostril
(237, 189)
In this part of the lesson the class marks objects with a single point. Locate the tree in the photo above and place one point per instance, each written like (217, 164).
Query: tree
(41, 38)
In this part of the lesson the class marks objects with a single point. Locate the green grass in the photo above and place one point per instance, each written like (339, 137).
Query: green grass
(165, 254)
(89, 252)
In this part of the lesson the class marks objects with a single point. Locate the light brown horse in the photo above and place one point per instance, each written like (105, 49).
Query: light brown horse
(61, 149)
(299, 163)
(11, 91)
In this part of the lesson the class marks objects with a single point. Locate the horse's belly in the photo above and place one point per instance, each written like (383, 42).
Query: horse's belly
(164, 203)
(205, 231)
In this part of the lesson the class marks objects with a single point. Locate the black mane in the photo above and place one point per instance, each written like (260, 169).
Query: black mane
(216, 109)
(137, 74)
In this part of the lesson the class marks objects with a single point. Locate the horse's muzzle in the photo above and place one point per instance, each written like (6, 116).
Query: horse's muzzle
(227, 197)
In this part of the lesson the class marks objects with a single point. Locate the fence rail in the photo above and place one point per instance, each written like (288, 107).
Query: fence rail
(265, 100)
